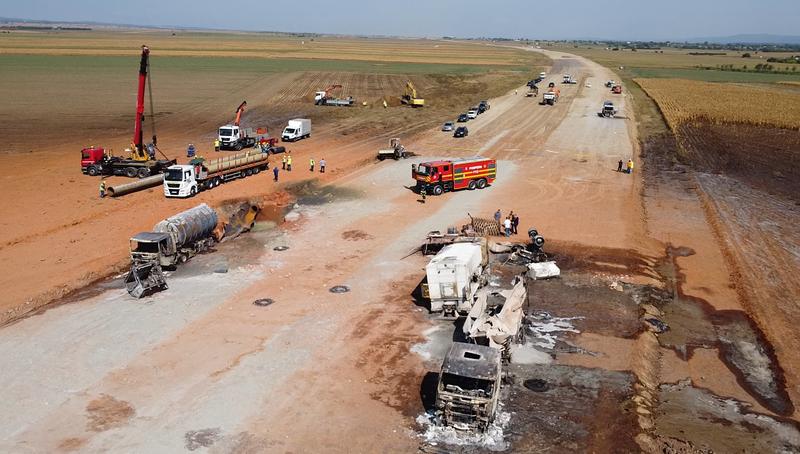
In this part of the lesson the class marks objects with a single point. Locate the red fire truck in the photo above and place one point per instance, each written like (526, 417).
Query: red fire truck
(440, 176)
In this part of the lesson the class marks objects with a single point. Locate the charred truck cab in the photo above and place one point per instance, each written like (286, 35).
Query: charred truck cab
(438, 177)
(469, 386)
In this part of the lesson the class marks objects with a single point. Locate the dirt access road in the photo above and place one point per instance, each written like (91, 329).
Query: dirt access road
(199, 367)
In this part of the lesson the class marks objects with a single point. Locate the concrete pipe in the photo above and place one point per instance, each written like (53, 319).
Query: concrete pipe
(138, 185)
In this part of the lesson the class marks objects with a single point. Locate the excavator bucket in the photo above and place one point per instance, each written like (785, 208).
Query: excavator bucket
(145, 279)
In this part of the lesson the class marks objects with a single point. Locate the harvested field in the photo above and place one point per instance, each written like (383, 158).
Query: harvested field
(263, 46)
(684, 101)
(198, 80)
(764, 157)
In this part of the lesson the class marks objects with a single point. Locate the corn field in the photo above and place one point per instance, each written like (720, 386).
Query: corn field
(687, 101)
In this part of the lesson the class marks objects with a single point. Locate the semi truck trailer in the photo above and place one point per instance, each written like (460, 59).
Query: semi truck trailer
(201, 174)
(96, 161)
(173, 241)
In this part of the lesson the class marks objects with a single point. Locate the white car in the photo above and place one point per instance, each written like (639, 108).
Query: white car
(472, 114)
(542, 75)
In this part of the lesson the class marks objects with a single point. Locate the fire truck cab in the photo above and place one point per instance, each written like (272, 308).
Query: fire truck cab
(437, 177)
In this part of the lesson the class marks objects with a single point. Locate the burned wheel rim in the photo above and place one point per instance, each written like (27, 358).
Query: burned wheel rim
(280, 248)
(339, 289)
(262, 302)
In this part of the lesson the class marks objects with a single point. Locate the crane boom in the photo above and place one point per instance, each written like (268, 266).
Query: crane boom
(137, 130)
(239, 111)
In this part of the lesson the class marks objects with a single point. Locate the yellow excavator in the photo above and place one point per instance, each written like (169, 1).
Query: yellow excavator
(410, 97)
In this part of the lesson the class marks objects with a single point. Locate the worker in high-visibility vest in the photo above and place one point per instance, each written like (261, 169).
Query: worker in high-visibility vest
(283, 162)
(102, 188)
(311, 164)
(216, 144)
(630, 166)
(289, 163)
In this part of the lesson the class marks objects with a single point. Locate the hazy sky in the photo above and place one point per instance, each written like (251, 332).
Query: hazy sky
(620, 19)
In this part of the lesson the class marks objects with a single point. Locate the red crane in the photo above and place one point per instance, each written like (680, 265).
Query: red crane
(138, 143)
(239, 112)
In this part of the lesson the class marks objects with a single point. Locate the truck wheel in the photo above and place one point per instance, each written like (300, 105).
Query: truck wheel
(93, 171)
(381, 157)
(472, 185)
(438, 190)
(143, 172)
(481, 183)
(217, 181)
(238, 147)
(192, 192)
(130, 172)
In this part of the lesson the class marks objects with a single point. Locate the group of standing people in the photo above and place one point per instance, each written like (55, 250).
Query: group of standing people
(628, 166)
(286, 164)
(509, 224)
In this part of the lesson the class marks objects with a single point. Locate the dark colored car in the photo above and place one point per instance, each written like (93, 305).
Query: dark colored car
(461, 131)
(483, 106)
(463, 118)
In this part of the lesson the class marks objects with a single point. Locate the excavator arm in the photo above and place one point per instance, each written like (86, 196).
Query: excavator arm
(411, 90)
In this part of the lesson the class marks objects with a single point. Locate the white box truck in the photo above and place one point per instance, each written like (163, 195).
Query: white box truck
(296, 129)
(454, 276)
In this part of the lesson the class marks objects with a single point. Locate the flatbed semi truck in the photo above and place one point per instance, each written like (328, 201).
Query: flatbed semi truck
(201, 174)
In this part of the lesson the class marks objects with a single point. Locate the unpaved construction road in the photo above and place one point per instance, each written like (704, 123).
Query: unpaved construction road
(200, 368)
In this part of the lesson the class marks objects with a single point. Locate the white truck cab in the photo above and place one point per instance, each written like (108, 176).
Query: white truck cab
(181, 180)
(228, 135)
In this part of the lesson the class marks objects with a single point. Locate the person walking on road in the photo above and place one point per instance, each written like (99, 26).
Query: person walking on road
(630, 166)
(275, 172)
(311, 165)
(322, 165)
(514, 223)
(497, 216)
(619, 166)
(216, 144)
(289, 163)
(283, 162)
(423, 193)
(190, 152)
(507, 226)
(102, 188)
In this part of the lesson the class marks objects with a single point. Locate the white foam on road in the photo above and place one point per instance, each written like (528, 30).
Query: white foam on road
(545, 329)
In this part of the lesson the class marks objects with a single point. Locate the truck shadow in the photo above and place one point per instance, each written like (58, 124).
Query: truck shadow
(427, 390)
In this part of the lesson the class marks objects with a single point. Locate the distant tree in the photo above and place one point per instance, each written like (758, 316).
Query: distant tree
(794, 68)
(744, 67)
(746, 55)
